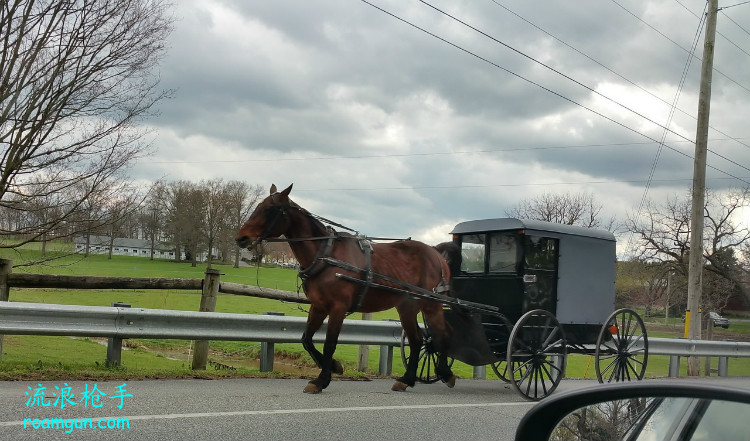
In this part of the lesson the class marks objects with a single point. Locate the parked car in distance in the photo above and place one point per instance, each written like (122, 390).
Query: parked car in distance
(718, 320)
(658, 411)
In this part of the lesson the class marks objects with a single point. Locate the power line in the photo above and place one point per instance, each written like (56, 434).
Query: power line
(685, 70)
(559, 40)
(676, 44)
(590, 89)
(526, 184)
(422, 154)
(548, 89)
(732, 6)
(644, 197)
(717, 32)
(736, 24)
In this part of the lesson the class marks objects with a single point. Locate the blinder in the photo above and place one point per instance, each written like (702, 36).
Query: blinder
(276, 212)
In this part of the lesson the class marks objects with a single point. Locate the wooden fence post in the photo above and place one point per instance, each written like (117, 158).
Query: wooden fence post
(208, 304)
(6, 266)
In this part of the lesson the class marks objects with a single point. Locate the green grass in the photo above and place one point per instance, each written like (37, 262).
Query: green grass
(32, 357)
(49, 357)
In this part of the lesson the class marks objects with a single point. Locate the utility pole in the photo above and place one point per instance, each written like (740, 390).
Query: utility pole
(695, 267)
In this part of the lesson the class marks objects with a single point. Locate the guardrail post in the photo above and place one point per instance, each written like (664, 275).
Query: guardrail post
(709, 337)
(6, 266)
(674, 366)
(363, 358)
(723, 366)
(385, 365)
(267, 351)
(480, 372)
(208, 304)
(114, 344)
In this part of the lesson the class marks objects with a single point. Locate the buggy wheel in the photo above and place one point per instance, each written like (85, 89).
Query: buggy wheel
(536, 354)
(622, 348)
(428, 358)
(498, 331)
(501, 370)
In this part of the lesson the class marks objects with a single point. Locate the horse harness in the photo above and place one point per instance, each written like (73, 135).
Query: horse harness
(367, 275)
(323, 257)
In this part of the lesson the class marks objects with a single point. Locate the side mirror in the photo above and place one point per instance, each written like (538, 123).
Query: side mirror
(653, 411)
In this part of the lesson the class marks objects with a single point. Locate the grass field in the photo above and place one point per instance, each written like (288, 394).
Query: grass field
(32, 357)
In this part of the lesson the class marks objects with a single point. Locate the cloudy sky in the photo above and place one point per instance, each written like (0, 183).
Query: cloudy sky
(402, 118)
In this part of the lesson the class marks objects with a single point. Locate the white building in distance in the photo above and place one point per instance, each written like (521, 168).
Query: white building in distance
(124, 247)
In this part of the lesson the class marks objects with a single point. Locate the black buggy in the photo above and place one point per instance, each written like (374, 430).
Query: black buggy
(526, 293)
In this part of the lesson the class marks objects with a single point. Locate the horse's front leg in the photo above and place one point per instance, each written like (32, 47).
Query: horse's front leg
(314, 321)
(327, 363)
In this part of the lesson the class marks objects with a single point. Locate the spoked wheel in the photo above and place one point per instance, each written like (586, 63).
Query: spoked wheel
(428, 357)
(498, 329)
(622, 348)
(536, 354)
(501, 370)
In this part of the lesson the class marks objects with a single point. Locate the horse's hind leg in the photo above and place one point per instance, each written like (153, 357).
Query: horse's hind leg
(436, 320)
(408, 316)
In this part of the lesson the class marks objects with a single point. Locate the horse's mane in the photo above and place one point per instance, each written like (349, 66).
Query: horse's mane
(452, 254)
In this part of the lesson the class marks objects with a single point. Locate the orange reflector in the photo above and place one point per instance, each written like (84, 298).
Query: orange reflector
(613, 329)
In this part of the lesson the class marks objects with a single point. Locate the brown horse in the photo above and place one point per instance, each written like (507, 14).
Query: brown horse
(318, 249)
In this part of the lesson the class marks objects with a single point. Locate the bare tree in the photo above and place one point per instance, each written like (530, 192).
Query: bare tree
(76, 77)
(579, 209)
(241, 199)
(215, 213)
(663, 235)
(152, 216)
(641, 283)
(119, 214)
(180, 224)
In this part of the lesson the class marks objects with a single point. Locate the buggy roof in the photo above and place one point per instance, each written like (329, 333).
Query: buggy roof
(509, 223)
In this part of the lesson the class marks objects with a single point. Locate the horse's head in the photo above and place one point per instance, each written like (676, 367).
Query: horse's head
(268, 220)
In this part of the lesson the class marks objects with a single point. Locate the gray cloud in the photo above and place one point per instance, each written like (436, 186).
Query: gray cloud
(431, 134)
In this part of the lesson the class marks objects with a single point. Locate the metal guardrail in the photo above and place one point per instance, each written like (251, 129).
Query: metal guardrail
(701, 348)
(117, 322)
(105, 321)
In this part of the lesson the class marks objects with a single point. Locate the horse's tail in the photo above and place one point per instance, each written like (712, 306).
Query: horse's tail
(452, 254)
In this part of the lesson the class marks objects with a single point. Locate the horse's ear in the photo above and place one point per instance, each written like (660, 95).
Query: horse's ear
(285, 193)
(273, 188)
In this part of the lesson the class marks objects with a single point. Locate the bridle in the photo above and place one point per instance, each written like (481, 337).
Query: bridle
(279, 211)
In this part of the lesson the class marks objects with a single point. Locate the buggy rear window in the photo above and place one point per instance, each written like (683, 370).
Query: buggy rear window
(472, 253)
(497, 252)
(504, 252)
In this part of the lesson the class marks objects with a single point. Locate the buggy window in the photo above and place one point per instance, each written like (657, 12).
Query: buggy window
(541, 252)
(472, 253)
(504, 252)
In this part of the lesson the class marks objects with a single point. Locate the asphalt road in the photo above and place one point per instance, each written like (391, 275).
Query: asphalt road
(273, 409)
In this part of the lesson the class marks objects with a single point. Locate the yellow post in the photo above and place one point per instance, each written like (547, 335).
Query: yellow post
(687, 324)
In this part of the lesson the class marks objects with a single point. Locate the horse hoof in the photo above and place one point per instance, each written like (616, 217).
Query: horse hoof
(337, 367)
(312, 389)
(399, 386)
(451, 382)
